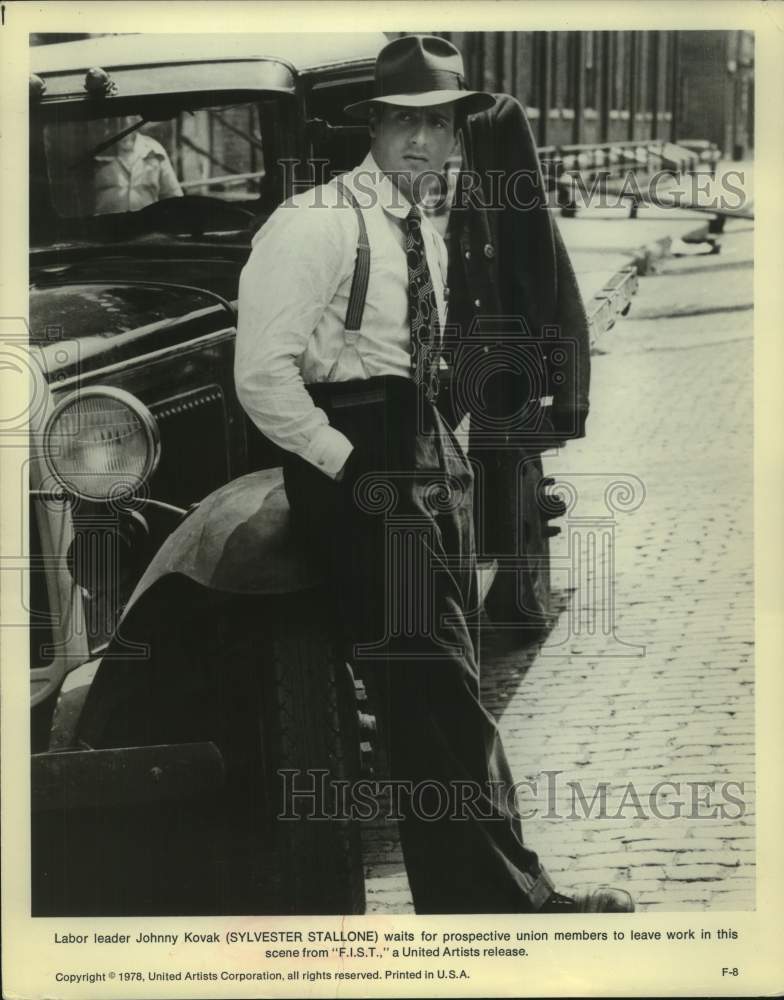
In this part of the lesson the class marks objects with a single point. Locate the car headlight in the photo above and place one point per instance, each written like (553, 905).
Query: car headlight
(101, 443)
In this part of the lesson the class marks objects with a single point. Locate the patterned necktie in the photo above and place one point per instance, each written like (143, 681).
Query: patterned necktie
(422, 310)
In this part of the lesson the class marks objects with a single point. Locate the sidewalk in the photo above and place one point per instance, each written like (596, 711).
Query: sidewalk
(603, 240)
(648, 676)
(671, 426)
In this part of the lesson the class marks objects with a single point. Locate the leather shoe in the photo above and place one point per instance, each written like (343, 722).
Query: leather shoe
(595, 901)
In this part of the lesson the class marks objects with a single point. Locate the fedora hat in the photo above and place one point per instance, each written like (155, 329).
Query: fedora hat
(418, 71)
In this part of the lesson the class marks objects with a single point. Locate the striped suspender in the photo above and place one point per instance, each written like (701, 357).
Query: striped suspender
(359, 284)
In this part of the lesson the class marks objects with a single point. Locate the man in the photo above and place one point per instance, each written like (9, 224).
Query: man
(132, 174)
(347, 384)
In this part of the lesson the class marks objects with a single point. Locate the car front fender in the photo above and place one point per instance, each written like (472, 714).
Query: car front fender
(237, 541)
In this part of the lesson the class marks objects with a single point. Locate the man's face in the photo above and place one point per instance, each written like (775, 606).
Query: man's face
(411, 143)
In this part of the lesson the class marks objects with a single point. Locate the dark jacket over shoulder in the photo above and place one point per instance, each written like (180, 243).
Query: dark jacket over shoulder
(509, 268)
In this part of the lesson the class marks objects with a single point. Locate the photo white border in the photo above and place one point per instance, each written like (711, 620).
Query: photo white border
(29, 956)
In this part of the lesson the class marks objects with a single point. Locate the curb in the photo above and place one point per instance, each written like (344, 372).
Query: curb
(645, 258)
(614, 300)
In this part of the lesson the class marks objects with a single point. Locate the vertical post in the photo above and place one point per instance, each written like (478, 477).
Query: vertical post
(251, 131)
(480, 60)
(210, 144)
(176, 135)
(634, 61)
(737, 145)
(500, 62)
(589, 567)
(604, 122)
(675, 40)
(578, 79)
(472, 53)
(543, 84)
(655, 56)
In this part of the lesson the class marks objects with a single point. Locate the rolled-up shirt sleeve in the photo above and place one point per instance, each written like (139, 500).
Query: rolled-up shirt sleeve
(297, 263)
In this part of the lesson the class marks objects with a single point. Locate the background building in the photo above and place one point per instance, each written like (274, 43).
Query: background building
(600, 86)
(609, 86)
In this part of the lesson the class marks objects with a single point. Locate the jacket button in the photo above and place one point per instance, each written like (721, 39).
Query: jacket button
(477, 303)
(489, 251)
(468, 255)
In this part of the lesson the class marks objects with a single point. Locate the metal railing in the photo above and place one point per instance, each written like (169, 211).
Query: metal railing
(564, 167)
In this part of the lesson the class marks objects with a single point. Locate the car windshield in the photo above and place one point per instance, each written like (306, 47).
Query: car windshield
(216, 151)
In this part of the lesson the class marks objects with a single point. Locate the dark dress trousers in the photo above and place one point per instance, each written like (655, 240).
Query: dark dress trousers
(396, 538)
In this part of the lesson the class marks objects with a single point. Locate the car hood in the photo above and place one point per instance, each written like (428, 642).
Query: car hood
(156, 259)
(80, 326)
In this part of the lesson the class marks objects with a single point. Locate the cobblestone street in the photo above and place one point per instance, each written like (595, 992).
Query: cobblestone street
(647, 676)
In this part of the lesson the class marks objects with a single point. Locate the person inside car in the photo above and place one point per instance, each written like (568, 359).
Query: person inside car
(342, 305)
(133, 173)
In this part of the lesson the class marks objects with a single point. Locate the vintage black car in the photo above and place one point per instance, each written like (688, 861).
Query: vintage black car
(165, 580)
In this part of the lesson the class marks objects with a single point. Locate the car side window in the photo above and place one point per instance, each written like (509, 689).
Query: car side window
(214, 151)
(220, 152)
(345, 142)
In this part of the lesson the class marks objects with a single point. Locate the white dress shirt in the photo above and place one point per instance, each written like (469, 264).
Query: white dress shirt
(293, 296)
(134, 175)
